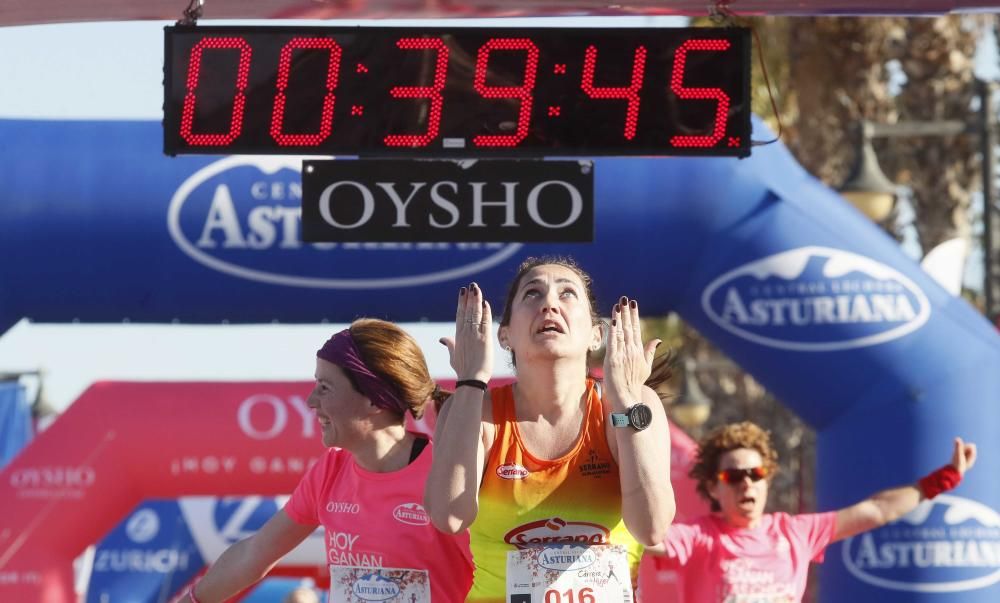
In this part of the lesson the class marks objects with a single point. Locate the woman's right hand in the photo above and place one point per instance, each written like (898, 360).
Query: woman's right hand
(964, 456)
(471, 350)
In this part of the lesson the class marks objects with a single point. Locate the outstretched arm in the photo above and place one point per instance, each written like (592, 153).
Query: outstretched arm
(643, 457)
(889, 505)
(451, 495)
(249, 560)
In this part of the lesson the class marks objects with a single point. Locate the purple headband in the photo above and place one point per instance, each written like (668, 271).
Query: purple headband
(341, 350)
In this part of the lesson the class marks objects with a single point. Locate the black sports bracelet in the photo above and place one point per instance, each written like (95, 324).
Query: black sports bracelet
(476, 383)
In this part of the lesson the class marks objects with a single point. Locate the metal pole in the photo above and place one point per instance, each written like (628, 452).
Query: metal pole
(987, 140)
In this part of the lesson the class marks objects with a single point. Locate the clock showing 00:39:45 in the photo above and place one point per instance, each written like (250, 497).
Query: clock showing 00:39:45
(457, 92)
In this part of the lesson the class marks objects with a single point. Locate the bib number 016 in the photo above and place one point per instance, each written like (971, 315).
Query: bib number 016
(583, 595)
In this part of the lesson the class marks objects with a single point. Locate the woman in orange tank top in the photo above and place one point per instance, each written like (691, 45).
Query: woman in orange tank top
(542, 470)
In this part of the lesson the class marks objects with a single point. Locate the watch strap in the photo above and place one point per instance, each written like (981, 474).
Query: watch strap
(619, 419)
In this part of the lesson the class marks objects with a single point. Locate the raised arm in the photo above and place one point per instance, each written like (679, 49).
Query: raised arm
(249, 560)
(451, 495)
(889, 505)
(643, 457)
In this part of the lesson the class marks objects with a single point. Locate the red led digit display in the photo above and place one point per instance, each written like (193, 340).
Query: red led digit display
(631, 93)
(432, 92)
(456, 92)
(238, 97)
(522, 92)
(281, 96)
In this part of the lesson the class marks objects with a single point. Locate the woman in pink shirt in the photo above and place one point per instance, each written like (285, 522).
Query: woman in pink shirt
(366, 490)
(739, 553)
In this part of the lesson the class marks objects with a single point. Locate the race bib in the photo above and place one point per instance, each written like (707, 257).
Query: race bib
(363, 584)
(569, 574)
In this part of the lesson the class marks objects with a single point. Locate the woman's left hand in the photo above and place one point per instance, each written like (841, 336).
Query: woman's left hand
(627, 362)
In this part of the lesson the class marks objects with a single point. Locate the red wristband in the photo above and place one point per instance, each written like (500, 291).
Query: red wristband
(190, 594)
(936, 482)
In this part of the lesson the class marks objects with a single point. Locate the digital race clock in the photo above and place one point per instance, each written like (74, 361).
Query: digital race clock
(457, 92)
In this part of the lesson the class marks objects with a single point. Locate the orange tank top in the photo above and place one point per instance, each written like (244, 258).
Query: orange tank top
(526, 501)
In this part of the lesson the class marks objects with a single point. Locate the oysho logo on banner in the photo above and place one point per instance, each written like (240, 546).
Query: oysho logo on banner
(948, 544)
(52, 481)
(241, 216)
(448, 201)
(816, 299)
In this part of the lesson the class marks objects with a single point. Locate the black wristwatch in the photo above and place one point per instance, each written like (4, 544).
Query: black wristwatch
(638, 416)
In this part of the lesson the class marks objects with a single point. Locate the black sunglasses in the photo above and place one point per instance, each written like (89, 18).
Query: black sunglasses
(735, 476)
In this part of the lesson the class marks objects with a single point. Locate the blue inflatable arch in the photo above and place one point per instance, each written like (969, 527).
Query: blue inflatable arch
(773, 267)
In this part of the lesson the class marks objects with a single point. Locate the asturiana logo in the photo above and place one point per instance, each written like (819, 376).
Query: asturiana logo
(512, 471)
(373, 587)
(816, 299)
(412, 514)
(555, 530)
(948, 544)
(566, 558)
(241, 215)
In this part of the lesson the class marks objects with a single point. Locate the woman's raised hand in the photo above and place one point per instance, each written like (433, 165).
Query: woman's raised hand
(471, 350)
(627, 362)
(964, 456)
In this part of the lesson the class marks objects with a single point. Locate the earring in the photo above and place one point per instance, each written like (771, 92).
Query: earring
(506, 348)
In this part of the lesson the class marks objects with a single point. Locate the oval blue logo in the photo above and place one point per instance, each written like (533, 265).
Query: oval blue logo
(241, 215)
(566, 558)
(142, 526)
(373, 587)
(816, 299)
(948, 544)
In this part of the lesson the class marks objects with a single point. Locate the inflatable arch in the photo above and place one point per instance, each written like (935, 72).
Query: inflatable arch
(773, 267)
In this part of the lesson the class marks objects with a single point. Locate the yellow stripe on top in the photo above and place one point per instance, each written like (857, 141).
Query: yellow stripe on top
(525, 501)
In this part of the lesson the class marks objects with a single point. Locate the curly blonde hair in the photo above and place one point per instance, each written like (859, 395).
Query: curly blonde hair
(724, 439)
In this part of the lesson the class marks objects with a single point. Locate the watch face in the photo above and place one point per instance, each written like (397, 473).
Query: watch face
(640, 416)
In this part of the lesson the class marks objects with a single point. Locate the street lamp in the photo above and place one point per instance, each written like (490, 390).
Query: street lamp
(692, 407)
(867, 186)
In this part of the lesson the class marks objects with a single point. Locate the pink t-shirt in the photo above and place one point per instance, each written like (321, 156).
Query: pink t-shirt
(723, 564)
(378, 520)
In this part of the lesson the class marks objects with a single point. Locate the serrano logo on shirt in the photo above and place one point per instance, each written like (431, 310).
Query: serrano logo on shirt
(596, 465)
(412, 514)
(557, 531)
(512, 472)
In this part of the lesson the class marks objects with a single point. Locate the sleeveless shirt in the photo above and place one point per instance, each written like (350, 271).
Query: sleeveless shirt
(526, 501)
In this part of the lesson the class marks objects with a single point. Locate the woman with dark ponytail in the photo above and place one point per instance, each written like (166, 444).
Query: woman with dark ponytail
(557, 469)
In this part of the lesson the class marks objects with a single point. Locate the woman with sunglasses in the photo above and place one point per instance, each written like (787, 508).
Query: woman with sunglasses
(739, 550)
